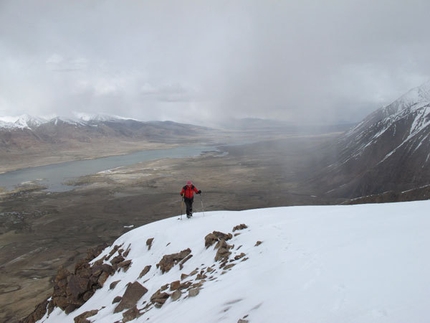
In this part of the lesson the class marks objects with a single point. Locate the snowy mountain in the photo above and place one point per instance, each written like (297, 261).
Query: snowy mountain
(97, 117)
(388, 150)
(411, 113)
(5, 124)
(363, 263)
(24, 121)
(30, 122)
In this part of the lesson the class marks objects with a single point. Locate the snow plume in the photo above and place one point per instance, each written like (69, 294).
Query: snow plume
(362, 263)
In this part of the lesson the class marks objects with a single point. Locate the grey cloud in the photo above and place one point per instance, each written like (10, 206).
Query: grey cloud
(171, 92)
(60, 64)
(302, 61)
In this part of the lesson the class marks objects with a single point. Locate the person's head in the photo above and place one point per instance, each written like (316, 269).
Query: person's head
(189, 183)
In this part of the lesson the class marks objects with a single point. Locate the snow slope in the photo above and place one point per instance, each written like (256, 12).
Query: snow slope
(361, 263)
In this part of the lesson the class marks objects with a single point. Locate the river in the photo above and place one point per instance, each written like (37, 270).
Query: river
(53, 177)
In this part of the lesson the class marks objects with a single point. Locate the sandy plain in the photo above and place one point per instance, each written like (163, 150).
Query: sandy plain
(42, 231)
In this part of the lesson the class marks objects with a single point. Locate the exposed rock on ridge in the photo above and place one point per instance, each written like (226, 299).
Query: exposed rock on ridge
(72, 290)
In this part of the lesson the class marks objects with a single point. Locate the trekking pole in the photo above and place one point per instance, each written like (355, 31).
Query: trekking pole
(182, 206)
(201, 201)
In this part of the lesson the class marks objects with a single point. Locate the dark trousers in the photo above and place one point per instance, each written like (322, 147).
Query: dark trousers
(189, 205)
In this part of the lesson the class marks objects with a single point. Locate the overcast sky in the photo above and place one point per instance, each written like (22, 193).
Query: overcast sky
(202, 61)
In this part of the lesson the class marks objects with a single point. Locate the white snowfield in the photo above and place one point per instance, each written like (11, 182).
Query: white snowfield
(333, 264)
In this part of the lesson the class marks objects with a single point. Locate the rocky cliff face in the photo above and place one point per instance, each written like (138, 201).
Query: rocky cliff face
(388, 150)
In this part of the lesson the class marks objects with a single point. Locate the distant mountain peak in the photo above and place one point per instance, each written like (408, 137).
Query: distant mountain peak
(412, 98)
(28, 121)
(418, 94)
(96, 117)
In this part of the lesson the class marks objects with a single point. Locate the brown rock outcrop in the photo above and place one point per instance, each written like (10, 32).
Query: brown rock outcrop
(216, 236)
(176, 295)
(149, 243)
(223, 251)
(125, 265)
(83, 317)
(113, 251)
(183, 261)
(237, 257)
(168, 261)
(130, 314)
(175, 285)
(113, 284)
(159, 298)
(117, 260)
(193, 292)
(145, 271)
(117, 299)
(72, 290)
(240, 227)
(132, 294)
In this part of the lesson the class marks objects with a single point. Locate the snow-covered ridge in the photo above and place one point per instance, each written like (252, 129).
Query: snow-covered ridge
(30, 122)
(411, 101)
(416, 95)
(27, 121)
(362, 263)
(97, 117)
(412, 109)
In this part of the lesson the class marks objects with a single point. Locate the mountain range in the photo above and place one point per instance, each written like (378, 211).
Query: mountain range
(31, 141)
(87, 128)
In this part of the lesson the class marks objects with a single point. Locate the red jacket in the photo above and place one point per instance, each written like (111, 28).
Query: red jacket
(188, 191)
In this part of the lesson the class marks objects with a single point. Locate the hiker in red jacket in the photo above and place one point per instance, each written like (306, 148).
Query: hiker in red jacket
(187, 194)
